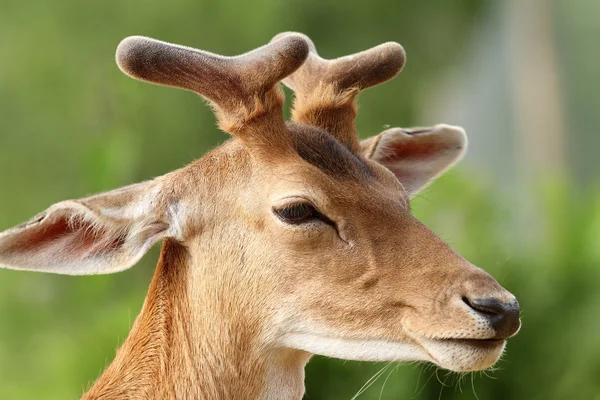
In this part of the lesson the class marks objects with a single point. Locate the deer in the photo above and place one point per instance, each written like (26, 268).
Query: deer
(291, 239)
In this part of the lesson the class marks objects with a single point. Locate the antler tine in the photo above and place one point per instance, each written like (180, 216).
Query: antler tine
(326, 89)
(241, 88)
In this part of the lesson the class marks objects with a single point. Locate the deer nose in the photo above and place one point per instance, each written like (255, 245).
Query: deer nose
(503, 316)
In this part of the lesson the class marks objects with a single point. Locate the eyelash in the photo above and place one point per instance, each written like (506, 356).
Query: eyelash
(300, 213)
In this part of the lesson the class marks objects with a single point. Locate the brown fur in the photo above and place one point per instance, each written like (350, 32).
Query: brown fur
(169, 355)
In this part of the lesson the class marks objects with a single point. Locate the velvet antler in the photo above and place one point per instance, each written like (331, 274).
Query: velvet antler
(242, 88)
(326, 89)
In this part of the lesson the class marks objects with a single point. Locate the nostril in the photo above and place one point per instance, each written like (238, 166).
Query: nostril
(486, 306)
(466, 301)
(477, 306)
(504, 317)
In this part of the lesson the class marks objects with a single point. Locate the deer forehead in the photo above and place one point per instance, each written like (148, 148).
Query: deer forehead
(321, 150)
(319, 168)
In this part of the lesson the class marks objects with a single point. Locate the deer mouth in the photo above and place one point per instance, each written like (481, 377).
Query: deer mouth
(464, 354)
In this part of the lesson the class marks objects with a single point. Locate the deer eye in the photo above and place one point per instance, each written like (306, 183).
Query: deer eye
(299, 213)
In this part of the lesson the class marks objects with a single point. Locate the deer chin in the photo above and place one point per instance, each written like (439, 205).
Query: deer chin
(463, 355)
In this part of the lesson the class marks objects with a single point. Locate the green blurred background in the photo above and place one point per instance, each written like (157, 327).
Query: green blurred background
(520, 75)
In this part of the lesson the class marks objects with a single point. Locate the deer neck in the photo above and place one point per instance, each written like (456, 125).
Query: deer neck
(173, 352)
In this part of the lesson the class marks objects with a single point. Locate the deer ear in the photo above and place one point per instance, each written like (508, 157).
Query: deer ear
(418, 155)
(101, 234)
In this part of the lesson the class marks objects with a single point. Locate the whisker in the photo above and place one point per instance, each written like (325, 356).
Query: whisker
(385, 381)
(426, 382)
(372, 380)
(473, 386)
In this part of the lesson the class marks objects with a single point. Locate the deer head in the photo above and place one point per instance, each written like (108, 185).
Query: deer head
(292, 239)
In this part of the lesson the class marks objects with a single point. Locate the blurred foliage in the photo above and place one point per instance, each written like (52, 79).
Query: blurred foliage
(71, 124)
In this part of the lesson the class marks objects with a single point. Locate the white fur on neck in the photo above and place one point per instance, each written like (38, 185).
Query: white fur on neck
(359, 350)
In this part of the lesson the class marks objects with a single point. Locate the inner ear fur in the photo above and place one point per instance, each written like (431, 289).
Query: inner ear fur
(417, 155)
(100, 234)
